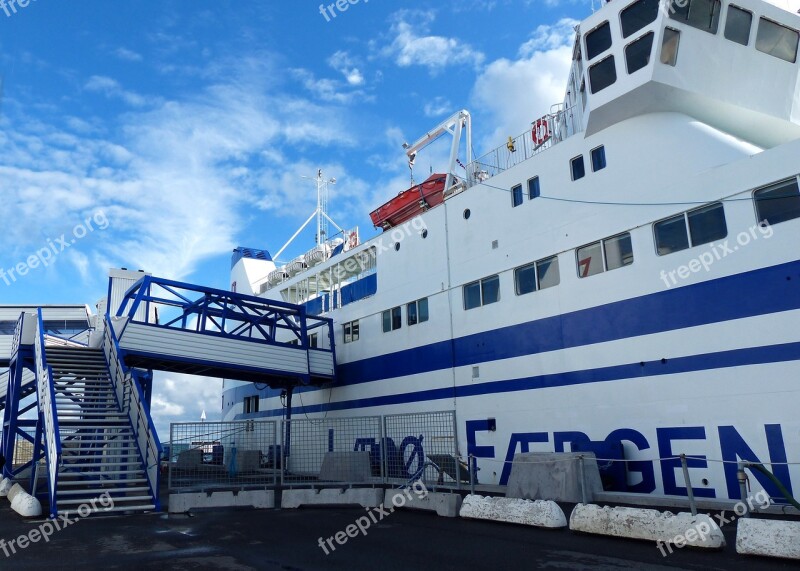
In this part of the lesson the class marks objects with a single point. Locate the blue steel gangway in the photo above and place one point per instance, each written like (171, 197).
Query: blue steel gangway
(92, 425)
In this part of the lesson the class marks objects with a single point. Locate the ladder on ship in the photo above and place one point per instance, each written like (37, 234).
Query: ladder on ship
(92, 425)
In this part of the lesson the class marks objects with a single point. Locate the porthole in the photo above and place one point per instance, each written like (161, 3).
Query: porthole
(397, 246)
(424, 233)
(467, 214)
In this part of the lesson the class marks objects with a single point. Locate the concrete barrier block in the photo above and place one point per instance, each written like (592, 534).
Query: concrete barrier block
(365, 497)
(26, 505)
(553, 476)
(15, 489)
(5, 487)
(445, 505)
(345, 467)
(259, 499)
(681, 529)
(767, 537)
(537, 513)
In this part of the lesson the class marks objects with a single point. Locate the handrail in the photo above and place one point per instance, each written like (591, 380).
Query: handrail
(144, 430)
(503, 158)
(17, 335)
(211, 311)
(48, 412)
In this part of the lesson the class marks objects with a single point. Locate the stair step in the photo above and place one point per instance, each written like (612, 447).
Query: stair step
(101, 511)
(79, 501)
(82, 466)
(104, 472)
(100, 482)
(99, 491)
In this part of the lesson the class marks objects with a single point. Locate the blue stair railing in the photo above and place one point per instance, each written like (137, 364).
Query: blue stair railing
(48, 414)
(130, 397)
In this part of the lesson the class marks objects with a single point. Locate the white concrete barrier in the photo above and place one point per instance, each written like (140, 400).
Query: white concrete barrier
(365, 497)
(681, 529)
(26, 505)
(5, 487)
(184, 502)
(768, 537)
(15, 489)
(444, 504)
(538, 513)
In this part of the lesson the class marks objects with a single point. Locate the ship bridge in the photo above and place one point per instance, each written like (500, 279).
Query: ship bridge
(76, 391)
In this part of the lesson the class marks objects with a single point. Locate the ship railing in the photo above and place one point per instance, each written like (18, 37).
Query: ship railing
(561, 124)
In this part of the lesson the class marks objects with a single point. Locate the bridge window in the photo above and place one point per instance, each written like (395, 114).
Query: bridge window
(482, 292)
(598, 158)
(737, 26)
(693, 228)
(351, 331)
(669, 46)
(778, 202)
(605, 255)
(598, 40)
(250, 405)
(392, 319)
(8, 327)
(637, 54)
(777, 40)
(602, 74)
(700, 14)
(578, 168)
(516, 195)
(533, 188)
(417, 311)
(637, 16)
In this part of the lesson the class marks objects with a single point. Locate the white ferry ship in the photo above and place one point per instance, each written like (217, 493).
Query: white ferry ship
(623, 277)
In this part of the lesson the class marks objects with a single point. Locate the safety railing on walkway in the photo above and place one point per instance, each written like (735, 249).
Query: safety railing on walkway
(47, 408)
(168, 325)
(131, 399)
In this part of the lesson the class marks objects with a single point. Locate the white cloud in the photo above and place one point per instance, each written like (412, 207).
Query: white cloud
(516, 92)
(412, 44)
(127, 55)
(437, 107)
(344, 63)
(183, 398)
(112, 89)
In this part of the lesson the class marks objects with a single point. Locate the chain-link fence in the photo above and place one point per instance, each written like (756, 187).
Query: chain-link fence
(332, 451)
(307, 452)
(423, 446)
(209, 456)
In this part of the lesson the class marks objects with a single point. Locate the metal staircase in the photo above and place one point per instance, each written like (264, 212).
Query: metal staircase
(99, 454)
(93, 428)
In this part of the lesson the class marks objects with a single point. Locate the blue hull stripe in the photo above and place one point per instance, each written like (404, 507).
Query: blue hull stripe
(724, 359)
(760, 292)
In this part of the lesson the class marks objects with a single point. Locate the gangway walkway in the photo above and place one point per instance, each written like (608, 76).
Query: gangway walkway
(92, 423)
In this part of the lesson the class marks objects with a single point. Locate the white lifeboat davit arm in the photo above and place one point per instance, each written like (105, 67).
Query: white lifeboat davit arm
(454, 125)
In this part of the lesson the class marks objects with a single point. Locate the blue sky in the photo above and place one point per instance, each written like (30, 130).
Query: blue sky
(182, 129)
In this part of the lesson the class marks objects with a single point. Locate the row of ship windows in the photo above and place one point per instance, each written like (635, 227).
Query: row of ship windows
(771, 38)
(577, 171)
(774, 204)
(392, 319)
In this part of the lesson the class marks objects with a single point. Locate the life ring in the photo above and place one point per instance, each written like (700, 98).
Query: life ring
(541, 131)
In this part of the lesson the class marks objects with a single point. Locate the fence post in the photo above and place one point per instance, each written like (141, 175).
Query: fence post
(583, 480)
(472, 470)
(689, 490)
